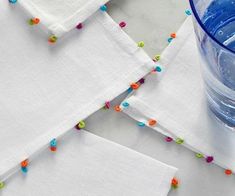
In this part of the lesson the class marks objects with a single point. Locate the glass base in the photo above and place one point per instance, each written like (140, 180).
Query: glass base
(222, 111)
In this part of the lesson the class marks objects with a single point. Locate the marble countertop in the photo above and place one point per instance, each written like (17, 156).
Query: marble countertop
(152, 21)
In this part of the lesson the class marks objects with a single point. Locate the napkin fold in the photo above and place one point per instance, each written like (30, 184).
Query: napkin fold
(178, 103)
(85, 164)
(47, 89)
(60, 16)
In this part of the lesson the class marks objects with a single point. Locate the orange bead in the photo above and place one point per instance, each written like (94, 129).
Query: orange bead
(135, 86)
(25, 163)
(53, 148)
(228, 172)
(173, 35)
(36, 20)
(152, 122)
(117, 108)
(174, 182)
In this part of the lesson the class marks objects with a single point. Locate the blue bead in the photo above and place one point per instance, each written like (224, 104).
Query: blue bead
(125, 104)
(12, 1)
(103, 8)
(170, 39)
(129, 90)
(141, 124)
(24, 169)
(53, 143)
(158, 69)
(188, 12)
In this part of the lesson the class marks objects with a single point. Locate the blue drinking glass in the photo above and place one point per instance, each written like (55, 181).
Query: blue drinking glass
(214, 25)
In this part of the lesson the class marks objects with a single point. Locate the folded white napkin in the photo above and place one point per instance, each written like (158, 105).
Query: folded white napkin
(178, 103)
(60, 16)
(85, 164)
(47, 89)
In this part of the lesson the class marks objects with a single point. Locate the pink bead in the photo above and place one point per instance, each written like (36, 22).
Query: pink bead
(141, 81)
(209, 159)
(107, 104)
(168, 139)
(122, 24)
(79, 26)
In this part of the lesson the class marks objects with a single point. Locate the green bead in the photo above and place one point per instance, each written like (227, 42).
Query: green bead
(199, 155)
(31, 22)
(157, 57)
(2, 185)
(179, 141)
(81, 124)
(141, 44)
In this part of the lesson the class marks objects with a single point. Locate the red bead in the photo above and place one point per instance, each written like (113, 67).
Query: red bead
(53, 148)
(122, 24)
(79, 26)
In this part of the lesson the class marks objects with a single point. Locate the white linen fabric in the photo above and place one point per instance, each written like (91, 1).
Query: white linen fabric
(47, 89)
(60, 16)
(85, 164)
(178, 103)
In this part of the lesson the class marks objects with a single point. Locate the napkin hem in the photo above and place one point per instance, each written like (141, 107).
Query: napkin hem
(67, 24)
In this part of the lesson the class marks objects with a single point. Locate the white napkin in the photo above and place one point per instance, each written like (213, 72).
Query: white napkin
(60, 16)
(47, 89)
(178, 103)
(85, 164)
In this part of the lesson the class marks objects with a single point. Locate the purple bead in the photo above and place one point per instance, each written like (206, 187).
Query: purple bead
(209, 159)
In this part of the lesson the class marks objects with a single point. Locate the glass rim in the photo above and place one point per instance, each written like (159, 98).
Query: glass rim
(204, 28)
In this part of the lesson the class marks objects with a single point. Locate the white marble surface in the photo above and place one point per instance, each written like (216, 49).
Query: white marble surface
(152, 21)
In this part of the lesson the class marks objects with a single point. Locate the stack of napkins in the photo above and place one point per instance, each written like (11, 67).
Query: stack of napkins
(46, 89)
(177, 102)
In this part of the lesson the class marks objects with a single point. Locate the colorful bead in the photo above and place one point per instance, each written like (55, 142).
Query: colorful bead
(174, 183)
(141, 124)
(135, 86)
(157, 57)
(179, 141)
(188, 12)
(228, 172)
(24, 163)
(52, 39)
(107, 105)
(199, 155)
(122, 24)
(53, 143)
(170, 39)
(141, 44)
(2, 185)
(125, 104)
(103, 8)
(12, 1)
(158, 69)
(53, 148)
(34, 21)
(81, 125)
(24, 169)
(173, 35)
(168, 139)
(152, 122)
(129, 90)
(79, 26)
(117, 108)
(141, 81)
(209, 159)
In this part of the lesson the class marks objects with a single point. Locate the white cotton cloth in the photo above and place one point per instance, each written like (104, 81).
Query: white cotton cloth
(60, 16)
(88, 165)
(178, 102)
(47, 89)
